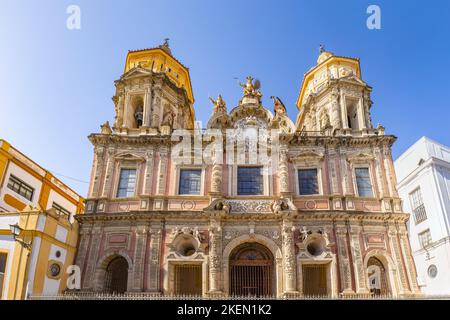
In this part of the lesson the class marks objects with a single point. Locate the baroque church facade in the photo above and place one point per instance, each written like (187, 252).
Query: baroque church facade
(325, 220)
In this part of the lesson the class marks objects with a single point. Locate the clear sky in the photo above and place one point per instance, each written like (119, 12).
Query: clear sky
(56, 84)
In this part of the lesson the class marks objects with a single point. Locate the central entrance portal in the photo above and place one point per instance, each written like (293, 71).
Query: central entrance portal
(188, 279)
(251, 271)
(315, 280)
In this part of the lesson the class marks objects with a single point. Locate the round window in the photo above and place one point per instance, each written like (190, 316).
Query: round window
(315, 248)
(55, 270)
(432, 271)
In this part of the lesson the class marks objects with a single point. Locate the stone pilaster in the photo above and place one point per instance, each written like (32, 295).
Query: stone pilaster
(396, 253)
(216, 183)
(90, 272)
(147, 107)
(289, 262)
(283, 172)
(358, 264)
(409, 263)
(215, 257)
(344, 262)
(109, 173)
(162, 171)
(98, 169)
(153, 275)
(149, 172)
(139, 255)
(335, 115)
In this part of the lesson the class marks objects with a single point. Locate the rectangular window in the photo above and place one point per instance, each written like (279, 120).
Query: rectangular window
(417, 206)
(250, 181)
(307, 181)
(363, 182)
(2, 271)
(60, 210)
(127, 183)
(425, 238)
(20, 187)
(190, 181)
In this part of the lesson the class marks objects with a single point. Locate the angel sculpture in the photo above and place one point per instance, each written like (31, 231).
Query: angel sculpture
(219, 104)
(279, 107)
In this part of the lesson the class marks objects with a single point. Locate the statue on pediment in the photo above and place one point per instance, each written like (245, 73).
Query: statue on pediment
(250, 88)
(279, 108)
(219, 104)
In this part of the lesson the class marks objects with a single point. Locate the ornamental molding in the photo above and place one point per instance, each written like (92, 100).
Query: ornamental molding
(308, 156)
(127, 156)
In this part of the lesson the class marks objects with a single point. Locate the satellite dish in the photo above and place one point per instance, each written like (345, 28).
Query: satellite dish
(257, 84)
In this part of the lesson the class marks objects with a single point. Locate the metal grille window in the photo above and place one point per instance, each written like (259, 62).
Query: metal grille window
(425, 238)
(363, 182)
(2, 271)
(250, 181)
(127, 183)
(307, 181)
(417, 205)
(20, 187)
(190, 181)
(60, 210)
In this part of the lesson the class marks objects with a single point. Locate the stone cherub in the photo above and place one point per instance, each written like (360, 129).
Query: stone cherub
(219, 104)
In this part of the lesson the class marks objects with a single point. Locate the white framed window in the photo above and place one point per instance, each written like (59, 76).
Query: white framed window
(127, 183)
(363, 181)
(425, 238)
(20, 187)
(189, 181)
(308, 181)
(417, 206)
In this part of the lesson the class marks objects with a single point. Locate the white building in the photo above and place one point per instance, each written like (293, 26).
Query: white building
(423, 174)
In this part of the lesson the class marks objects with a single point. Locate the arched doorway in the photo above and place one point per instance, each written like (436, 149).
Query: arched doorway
(251, 271)
(116, 278)
(376, 274)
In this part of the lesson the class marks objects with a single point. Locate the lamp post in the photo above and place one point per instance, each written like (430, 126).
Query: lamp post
(16, 230)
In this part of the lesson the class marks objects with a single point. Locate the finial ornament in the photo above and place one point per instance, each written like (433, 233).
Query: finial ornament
(322, 48)
(166, 42)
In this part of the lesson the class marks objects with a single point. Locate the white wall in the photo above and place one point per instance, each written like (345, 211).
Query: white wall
(426, 165)
(25, 177)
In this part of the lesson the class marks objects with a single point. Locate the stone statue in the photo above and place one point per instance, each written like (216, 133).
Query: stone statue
(219, 104)
(168, 119)
(250, 88)
(279, 107)
(105, 128)
(325, 120)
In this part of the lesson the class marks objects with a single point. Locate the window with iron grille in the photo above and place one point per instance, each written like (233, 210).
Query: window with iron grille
(417, 206)
(363, 182)
(127, 183)
(190, 181)
(60, 210)
(20, 187)
(425, 238)
(250, 181)
(307, 181)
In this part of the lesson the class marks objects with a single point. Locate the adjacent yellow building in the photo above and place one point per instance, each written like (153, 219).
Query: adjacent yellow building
(42, 207)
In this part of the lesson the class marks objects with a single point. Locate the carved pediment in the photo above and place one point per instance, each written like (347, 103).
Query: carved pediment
(126, 156)
(360, 157)
(135, 72)
(307, 156)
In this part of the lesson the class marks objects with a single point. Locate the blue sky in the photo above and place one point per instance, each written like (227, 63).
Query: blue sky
(56, 84)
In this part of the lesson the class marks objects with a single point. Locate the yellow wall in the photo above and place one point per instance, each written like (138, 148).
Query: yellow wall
(28, 221)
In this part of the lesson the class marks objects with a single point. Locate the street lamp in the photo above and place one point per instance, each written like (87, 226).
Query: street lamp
(16, 230)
